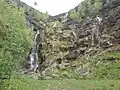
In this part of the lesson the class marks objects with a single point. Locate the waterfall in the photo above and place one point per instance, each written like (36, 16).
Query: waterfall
(33, 54)
(65, 18)
(32, 63)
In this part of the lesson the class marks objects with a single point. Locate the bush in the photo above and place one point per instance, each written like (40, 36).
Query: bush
(87, 8)
(15, 39)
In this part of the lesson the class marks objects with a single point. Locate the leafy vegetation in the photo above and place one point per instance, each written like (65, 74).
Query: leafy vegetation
(105, 65)
(38, 16)
(15, 39)
(87, 8)
(108, 66)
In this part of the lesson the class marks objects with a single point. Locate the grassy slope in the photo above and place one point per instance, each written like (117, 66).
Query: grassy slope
(30, 84)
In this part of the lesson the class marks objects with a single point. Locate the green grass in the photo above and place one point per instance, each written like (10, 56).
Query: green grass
(70, 84)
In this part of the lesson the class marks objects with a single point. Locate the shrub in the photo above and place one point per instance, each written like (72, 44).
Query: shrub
(15, 39)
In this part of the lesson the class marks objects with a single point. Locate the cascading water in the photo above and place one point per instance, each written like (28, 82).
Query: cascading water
(65, 17)
(33, 55)
(32, 64)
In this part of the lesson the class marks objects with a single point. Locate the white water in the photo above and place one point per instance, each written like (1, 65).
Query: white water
(33, 56)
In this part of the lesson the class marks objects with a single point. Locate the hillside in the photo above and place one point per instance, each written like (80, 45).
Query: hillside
(82, 45)
(86, 47)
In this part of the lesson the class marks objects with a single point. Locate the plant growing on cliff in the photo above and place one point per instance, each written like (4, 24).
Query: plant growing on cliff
(87, 8)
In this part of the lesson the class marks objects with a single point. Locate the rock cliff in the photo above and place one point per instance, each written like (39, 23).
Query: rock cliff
(85, 44)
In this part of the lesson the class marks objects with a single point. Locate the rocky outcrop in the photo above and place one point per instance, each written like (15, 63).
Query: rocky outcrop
(77, 42)
(72, 40)
(101, 31)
